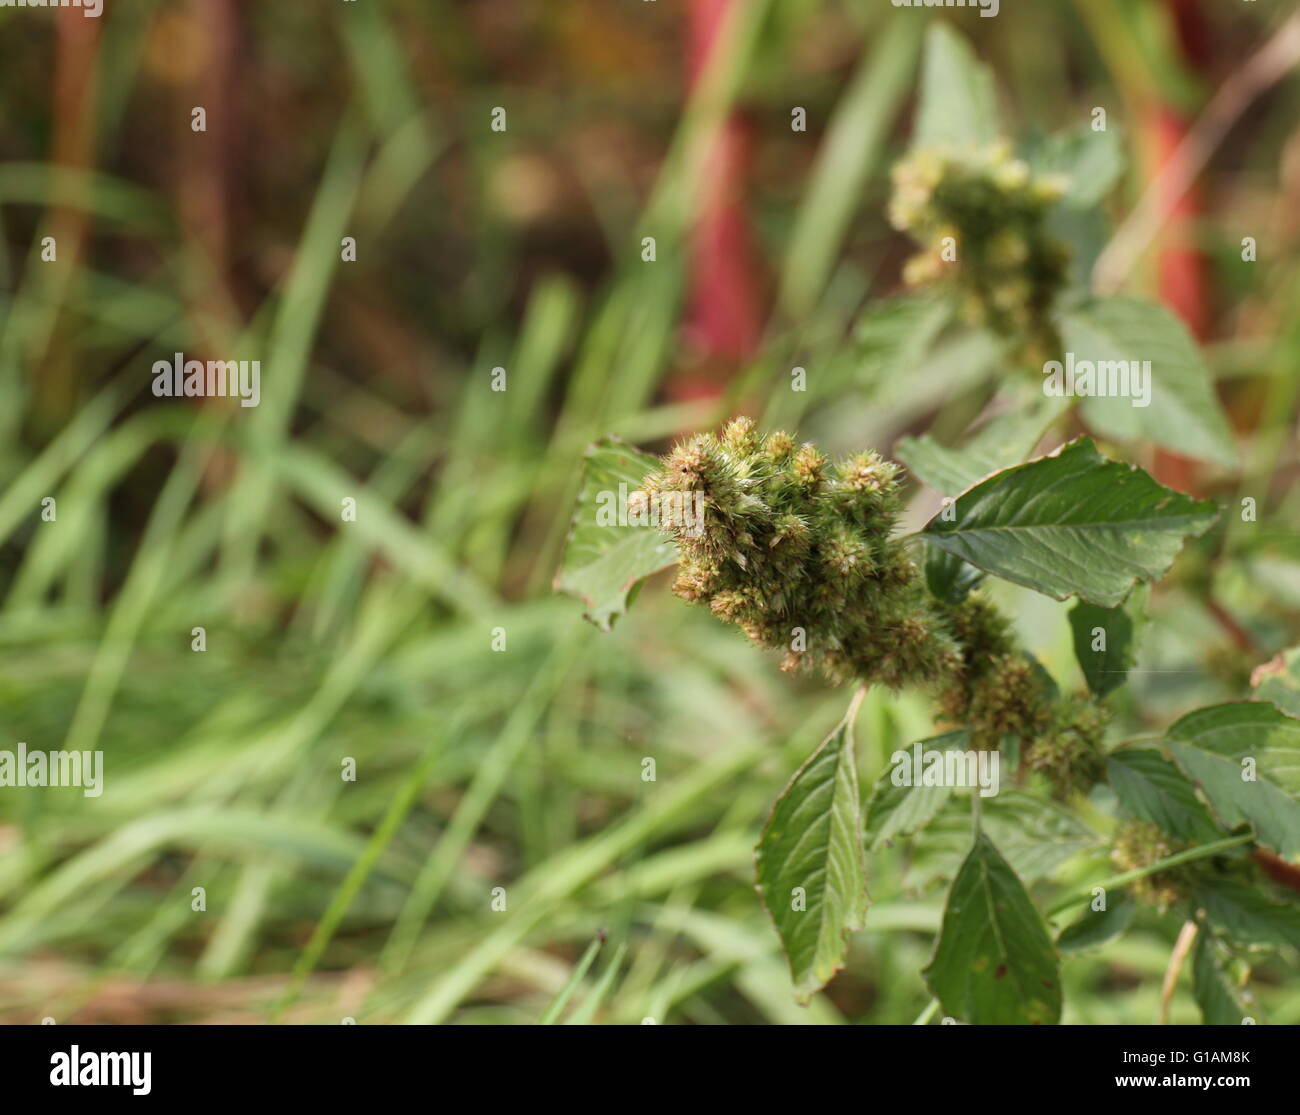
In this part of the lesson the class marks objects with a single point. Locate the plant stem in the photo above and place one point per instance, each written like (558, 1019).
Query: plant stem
(1160, 865)
(851, 716)
(923, 1019)
(1181, 948)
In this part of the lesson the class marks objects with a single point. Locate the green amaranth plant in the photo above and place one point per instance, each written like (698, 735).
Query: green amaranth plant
(800, 553)
(804, 555)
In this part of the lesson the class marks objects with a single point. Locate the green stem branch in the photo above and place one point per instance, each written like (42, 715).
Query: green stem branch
(1188, 856)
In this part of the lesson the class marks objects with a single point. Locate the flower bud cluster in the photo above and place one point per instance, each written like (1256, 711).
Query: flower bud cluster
(799, 552)
(979, 214)
(1139, 844)
(796, 550)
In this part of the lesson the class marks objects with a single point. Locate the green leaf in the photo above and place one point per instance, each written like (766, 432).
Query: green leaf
(958, 105)
(1219, 747)
(1001, 442)
(948, 577)
(1045, 678)
(604, 562)
(894, 335)
(811, 864)
(1183, 413)
(1212, 983)
(994, 963)
(1083, 233)
(944, 469)
(1105, 668)
(1151, 788)
(1096, 927)
(1072, 523)
(1036, 836)
(1092, 161)
(552, 1013)
(1248, 916)
(1279, 681)
(897, 811)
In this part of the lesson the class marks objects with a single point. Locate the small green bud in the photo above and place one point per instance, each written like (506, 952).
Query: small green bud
(1139, 844)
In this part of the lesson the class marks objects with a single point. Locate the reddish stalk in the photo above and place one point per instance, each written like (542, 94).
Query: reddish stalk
(723, 319)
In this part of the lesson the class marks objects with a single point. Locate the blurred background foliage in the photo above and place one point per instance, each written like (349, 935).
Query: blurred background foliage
(373, 639)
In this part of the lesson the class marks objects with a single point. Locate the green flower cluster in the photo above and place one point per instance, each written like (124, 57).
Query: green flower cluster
(799, 552)
(979, 214)
(1139, 844)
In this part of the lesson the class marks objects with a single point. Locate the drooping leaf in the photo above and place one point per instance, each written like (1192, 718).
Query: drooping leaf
(1092, 161)
(956, 362)
(1084, 233)
(1248, 916)
(1182, 412)
(897, 810)
(1215, 989)
(994, 963)
(1072, 523)
(811, 864)
(1035, 835)
(1096, 927)
(1001, 442)
(948, 577)
(1105, 641)
(1279, 681)
(1151, 788)
(1044, 677)
(958, 103)
(894, 335)
(944, 469)
(1245, 756)
(604, 562)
